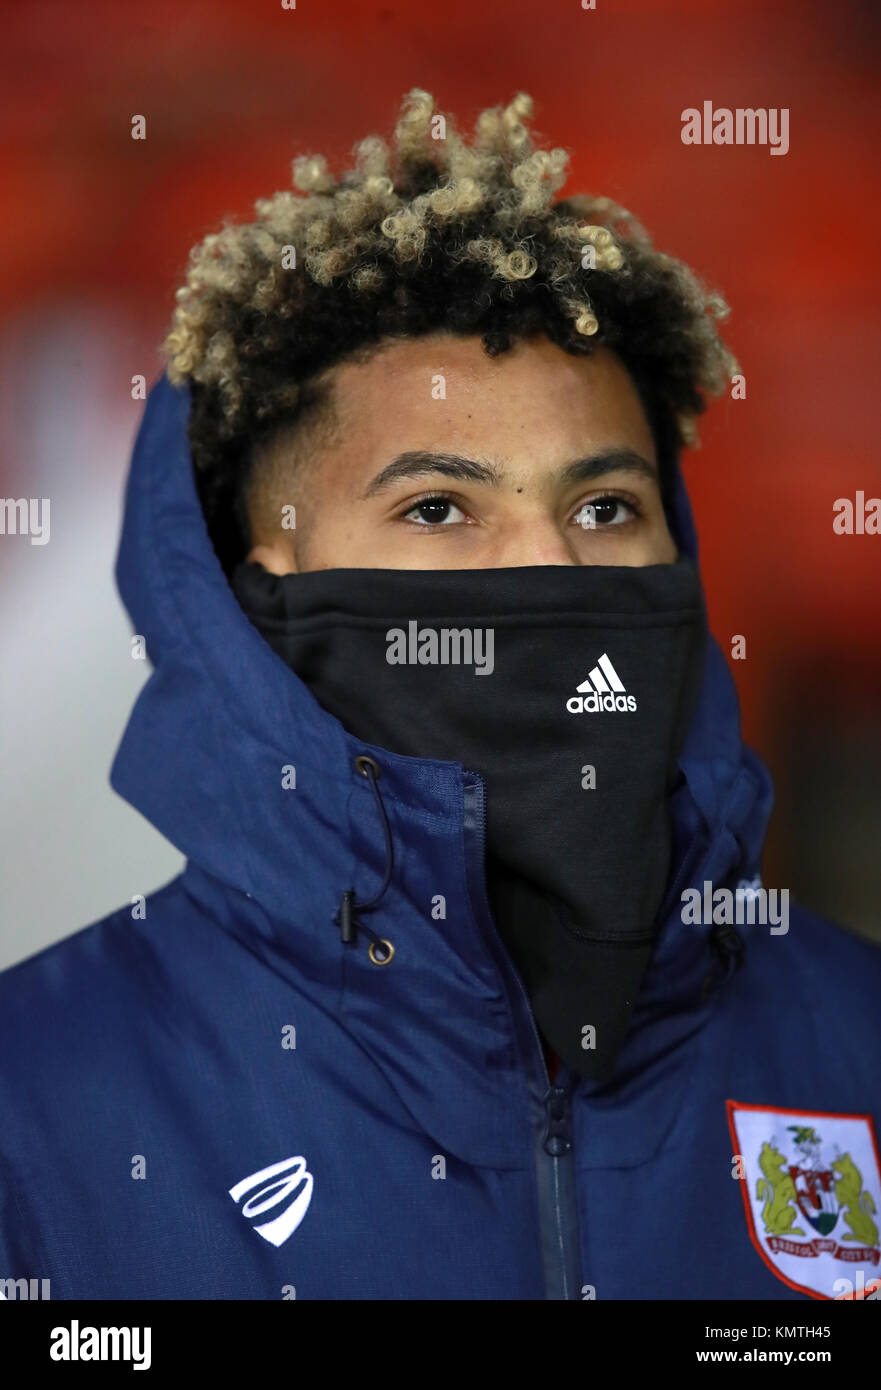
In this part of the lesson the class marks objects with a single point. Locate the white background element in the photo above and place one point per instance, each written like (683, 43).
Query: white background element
(71, 850)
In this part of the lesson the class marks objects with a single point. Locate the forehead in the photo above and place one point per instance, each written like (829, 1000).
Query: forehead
(442, 390)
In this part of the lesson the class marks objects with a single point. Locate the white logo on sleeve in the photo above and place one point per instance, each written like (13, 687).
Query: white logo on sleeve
(291, 1176)
(602, 691)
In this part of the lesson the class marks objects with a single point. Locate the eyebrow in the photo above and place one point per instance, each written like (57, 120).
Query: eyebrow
(416, 463)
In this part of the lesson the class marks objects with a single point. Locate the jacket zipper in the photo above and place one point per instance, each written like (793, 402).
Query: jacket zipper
(550, 1105)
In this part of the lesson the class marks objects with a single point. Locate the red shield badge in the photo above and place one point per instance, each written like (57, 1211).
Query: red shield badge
(811, 1185)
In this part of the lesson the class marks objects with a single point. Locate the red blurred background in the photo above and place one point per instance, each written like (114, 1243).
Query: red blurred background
(96, 228)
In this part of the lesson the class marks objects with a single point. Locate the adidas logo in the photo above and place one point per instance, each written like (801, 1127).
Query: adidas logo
(603, 690)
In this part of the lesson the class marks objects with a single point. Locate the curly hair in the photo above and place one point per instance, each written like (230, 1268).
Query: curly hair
(431, 234)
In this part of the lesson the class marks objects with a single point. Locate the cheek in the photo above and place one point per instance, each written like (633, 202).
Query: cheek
(334, 536)
(653, 544)
(666, 547)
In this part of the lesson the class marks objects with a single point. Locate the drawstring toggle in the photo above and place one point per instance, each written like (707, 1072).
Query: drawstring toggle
(348, 918)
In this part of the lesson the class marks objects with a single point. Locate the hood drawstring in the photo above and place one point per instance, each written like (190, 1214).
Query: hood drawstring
(348, 918)
(728, 942)
(730, 948)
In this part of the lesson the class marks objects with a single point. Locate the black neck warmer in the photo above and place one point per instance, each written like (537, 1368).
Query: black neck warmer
(570, 690)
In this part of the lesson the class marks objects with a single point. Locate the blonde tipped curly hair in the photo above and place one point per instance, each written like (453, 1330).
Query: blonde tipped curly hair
(429, 233)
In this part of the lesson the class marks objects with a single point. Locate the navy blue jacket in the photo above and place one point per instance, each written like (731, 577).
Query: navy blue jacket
(154, 1064)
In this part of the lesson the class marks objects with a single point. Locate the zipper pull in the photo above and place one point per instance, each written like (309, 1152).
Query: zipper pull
(558, 1135)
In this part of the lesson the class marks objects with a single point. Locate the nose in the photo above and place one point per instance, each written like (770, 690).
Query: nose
(535, 541)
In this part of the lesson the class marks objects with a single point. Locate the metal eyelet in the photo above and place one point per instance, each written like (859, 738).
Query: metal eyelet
(363, 763)
(381, 960)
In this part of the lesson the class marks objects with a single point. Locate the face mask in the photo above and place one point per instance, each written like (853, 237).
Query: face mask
(570, 690)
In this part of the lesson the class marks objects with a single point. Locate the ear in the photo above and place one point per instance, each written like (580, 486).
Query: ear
(277, 559)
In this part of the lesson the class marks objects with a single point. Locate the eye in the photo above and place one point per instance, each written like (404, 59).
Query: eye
(605, 511)
(434, 511)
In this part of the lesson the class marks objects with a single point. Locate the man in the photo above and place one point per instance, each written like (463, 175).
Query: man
(470, 988)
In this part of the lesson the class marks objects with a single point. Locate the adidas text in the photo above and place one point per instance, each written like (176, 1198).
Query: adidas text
(594, 703)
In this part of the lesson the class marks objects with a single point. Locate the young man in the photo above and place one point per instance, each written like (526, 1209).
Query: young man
(470, 988)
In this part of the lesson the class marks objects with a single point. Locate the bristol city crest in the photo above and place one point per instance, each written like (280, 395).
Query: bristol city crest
(811, 1185)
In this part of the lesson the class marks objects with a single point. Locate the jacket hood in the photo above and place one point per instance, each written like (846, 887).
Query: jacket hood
(221, 716)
